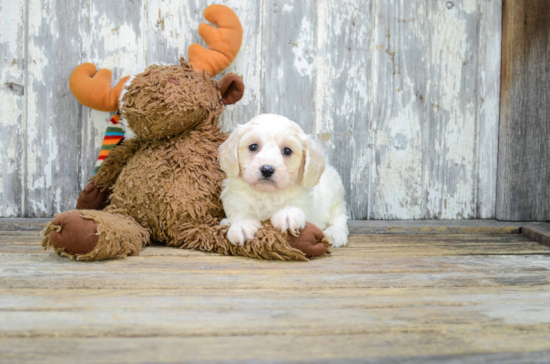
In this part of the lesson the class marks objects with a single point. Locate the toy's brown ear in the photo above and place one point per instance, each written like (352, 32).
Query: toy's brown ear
(231, 87)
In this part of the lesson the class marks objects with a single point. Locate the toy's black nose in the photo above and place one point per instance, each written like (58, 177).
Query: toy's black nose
(267, 171)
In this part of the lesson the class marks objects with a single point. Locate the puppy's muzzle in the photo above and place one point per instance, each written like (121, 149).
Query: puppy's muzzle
(267, 171)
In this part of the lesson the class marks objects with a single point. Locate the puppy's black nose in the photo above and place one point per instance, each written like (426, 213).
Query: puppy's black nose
(267, 171)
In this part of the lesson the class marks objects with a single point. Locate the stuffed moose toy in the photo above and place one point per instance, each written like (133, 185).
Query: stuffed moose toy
(164, 184)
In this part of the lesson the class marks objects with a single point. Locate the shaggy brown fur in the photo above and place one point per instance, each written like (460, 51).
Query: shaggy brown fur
(164, 101)
(165, 184)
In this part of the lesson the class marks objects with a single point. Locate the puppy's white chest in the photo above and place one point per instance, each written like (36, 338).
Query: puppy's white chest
(263, 207)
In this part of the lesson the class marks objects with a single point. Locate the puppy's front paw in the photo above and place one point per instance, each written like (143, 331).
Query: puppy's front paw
(243, 230)
(290, 218)
(336, 236)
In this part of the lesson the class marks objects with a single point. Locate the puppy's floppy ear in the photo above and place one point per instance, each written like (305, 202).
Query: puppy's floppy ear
(314, 165)
(228, 152)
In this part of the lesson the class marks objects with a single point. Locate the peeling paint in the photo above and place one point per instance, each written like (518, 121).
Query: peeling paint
(363, 76)
(303, 49)
(342, 94)
(470, 6)
(489, 50)
(12, 106)
(450, 175)
(250, 13)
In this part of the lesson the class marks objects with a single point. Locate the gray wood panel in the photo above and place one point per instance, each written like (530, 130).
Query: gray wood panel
(403, 95)
(436, 82)
(248, 64)
(399, 112)
(451, 124)
(12, 103)
(53, 125)
(524, 139)
(342, 94)
(289, 60)
(113, 39)
(488, 100)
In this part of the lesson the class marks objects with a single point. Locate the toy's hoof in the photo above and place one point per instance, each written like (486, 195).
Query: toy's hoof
(309, 241)
(92, 198)
(77, 235)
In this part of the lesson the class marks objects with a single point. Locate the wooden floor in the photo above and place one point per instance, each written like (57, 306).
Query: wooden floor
(412, 298)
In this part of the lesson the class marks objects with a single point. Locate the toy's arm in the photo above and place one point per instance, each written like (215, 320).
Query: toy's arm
(268, 243)
(114, 163)
(95, 196)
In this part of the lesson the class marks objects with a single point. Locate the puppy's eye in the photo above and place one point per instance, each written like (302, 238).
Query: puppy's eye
(287, 151)
(253, 147)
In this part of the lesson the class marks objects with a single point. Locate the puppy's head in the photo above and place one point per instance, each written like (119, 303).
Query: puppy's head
(272, 153)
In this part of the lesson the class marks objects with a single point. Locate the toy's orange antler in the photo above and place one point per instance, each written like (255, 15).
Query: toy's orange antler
(223, 42)
(94, 89)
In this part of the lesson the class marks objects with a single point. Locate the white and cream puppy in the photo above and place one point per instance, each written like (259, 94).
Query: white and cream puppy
(275, 171)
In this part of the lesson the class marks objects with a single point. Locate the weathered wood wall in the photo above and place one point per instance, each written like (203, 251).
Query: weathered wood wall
(524, 140)
(403, 94)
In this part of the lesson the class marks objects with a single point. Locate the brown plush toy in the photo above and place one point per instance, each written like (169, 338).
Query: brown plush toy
(165, 184)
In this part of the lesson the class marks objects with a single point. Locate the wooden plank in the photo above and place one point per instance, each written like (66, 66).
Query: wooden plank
(76, 300)
(170, 27)
(205, 313)
(378, 247)
(425, 131)
(12, 90)
(371, 261)
(400, 245)
(433, 227)
(384, 298)
(248, 64)
(11, 224)
(399, 112)
(53, 127)
(112, 37)
(355, 226)
(28, 242)
(185, 321)
(451, 104)
(410, 348)
(539, 232)
(523, 191)
(342, 94)
(289, 60)
(488, 104)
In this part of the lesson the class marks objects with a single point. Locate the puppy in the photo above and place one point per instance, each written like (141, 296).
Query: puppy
(275, 171)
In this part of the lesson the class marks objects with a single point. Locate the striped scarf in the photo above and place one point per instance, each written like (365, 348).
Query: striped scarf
(113, 136)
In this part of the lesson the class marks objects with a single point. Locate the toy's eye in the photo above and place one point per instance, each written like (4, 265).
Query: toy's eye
(287, 151)
(253, 147)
